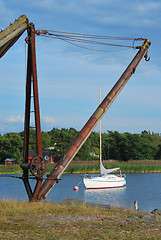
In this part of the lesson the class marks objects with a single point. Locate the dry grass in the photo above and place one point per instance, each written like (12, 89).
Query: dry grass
(92, 166)
(49, 221)
(142, 166)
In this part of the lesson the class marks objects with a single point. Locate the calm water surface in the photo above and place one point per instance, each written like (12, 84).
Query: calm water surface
(144, 187)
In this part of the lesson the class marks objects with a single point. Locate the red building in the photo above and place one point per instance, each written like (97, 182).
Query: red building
(9, 161)
(47, 155)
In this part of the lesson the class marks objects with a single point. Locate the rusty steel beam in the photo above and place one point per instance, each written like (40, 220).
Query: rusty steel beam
(27, 120)
(36, 107)
(35, 92)
(92, 122)
(31, 77)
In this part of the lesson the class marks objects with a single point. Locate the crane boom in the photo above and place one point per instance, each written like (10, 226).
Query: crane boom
(92, 122)
(11, 34)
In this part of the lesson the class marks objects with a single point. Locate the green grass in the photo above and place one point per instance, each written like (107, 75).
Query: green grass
(126, 167)
(49, 221)
(13, 169)
(143, 166)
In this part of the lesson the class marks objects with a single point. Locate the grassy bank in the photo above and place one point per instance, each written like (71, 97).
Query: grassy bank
(142, 166)
(49, 221)
(13, 169)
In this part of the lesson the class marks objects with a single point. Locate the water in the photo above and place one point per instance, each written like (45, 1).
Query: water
(142, 187)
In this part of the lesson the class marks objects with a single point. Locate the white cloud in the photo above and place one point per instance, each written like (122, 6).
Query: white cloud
(127, 13)
(11, 124)
(16, 123)
(48, 119)
(47, 123)
(147, 8)
(14, 119)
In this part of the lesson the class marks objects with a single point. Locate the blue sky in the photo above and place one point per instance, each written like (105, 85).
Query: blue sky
(70, 77)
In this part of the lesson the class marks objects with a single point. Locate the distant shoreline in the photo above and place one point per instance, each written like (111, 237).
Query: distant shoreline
(92, 166)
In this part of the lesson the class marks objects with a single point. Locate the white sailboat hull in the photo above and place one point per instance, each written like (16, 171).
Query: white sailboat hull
(105, 181)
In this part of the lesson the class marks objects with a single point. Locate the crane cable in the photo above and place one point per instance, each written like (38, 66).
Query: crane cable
(77, 38)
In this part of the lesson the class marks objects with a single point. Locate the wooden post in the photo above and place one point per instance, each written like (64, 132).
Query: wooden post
(11, 34)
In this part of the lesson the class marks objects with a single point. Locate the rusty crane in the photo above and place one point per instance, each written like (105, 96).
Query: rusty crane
(37, 167)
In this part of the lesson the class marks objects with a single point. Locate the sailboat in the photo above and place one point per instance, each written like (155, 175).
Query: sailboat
(105, 178)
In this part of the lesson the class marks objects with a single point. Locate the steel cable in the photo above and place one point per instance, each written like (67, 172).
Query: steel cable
(77, 39)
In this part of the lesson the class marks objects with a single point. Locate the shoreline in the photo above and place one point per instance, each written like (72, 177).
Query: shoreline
(74, 219)
(81, 172)
(92, 167)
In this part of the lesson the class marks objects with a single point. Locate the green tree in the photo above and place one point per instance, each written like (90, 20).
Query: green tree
(11, 145)
(149, 145)
(95, 143)
(46, 140)
(112, 146)
(127, 146)
(115, 145)
(158, 153)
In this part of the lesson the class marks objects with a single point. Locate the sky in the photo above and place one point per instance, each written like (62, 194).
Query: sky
(69, 78)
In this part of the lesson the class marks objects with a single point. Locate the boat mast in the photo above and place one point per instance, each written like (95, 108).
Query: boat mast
(100, 129)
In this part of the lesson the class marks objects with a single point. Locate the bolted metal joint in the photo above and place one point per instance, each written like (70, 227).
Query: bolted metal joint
(25, 166)
(28, 40)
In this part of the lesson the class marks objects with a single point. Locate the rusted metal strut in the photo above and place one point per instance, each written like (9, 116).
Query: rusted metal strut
(31, 85)
(92, 122)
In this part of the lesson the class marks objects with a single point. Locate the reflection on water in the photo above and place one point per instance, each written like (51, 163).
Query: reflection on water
(115, 196)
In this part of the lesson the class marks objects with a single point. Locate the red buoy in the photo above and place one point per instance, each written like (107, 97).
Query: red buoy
(76, 188)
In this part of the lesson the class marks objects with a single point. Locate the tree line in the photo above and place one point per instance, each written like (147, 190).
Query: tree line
(120, 146)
